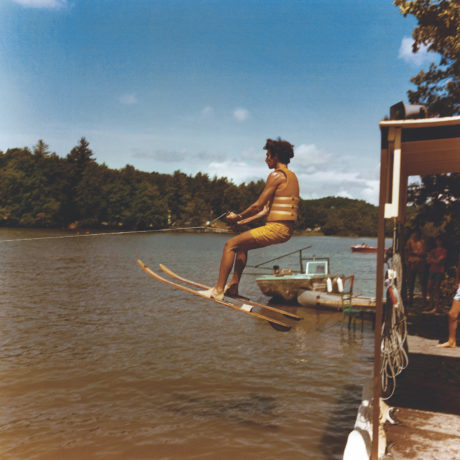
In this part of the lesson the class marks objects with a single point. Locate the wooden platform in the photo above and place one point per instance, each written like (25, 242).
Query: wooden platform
(424, 435)
(427, 402)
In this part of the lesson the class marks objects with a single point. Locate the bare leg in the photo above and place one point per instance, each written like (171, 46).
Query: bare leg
(435, 288)
(423, 279)
(410, 284)
(453, 320)
(437, 293)
(240, 262)
(234, 246)
(430, 292)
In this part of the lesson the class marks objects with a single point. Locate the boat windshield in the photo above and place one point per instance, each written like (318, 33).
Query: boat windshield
(316, 268)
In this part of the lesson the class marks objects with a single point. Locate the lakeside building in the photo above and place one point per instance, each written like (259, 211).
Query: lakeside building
(409, 147)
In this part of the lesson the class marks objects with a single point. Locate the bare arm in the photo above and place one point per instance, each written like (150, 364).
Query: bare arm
(262, 213)
(457, 278)
(261, 206)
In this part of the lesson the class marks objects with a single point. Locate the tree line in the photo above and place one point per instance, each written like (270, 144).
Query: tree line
(41, 189)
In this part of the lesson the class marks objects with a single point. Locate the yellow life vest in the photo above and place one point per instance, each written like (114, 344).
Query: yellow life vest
(285, 203)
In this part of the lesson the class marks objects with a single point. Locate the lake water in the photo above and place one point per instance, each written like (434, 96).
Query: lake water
(98, 360)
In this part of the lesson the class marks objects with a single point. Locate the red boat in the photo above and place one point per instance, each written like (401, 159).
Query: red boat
(363, 247)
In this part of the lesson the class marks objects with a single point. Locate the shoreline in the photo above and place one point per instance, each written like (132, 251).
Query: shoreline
(203, 229)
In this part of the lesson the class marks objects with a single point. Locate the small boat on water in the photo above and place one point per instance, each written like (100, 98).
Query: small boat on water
(286, 285)
(363, 247)
(314, 286)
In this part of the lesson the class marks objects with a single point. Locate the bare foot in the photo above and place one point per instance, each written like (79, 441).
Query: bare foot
(213, 293)
(231, 290)
(432, 311)
(447, 344)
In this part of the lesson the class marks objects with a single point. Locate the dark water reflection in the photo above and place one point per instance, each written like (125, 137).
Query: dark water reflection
(97, 360)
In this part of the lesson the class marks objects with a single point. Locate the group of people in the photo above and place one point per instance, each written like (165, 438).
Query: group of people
(430, 266)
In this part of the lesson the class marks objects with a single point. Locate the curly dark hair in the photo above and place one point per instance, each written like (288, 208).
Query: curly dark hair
(282, 149)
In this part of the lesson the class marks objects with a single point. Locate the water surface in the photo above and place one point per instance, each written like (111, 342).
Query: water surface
(97, 360)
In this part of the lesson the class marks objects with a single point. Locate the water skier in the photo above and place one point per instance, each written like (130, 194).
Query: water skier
(278, 201)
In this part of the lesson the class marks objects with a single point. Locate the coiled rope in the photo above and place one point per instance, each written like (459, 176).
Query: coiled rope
(394, 351)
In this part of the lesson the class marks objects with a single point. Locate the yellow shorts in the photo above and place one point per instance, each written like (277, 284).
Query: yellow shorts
(273, 233)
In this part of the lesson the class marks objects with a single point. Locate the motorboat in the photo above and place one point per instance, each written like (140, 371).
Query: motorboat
(314, 286)
(286, 285)
(363, 247)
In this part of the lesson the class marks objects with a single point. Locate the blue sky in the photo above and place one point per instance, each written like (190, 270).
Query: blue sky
(198, 85)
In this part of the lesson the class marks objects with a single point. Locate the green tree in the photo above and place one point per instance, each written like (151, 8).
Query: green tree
(334, 225)
(178, 198)
(31, 187)
(79, 158)
(41, 149)
(221, 198)
(89, 200)
(438, 28)
(148, 208)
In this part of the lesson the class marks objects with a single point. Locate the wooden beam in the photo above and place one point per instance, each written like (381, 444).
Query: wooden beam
(376, 383)
(422, 123)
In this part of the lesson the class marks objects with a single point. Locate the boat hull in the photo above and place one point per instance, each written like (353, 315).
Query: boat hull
(331, 301)
(362, 249)
(287, 287)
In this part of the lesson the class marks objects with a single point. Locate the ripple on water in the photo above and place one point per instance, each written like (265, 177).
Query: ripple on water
(99, 360)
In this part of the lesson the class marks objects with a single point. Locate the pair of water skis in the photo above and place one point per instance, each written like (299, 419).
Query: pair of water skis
(245, 308)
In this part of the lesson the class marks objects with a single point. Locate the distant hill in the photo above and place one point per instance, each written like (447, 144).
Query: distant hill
(339, 216)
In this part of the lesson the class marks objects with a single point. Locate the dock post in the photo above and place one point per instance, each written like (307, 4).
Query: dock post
(376, 383)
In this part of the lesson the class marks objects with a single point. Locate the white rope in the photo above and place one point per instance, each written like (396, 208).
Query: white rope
(174, 229)
(394, 333)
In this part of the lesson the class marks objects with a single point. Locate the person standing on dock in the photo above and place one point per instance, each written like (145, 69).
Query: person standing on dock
(436, 260)
(416, 264)
(280, 200)
(454, 312)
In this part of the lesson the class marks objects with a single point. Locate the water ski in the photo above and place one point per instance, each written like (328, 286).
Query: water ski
(278, 325)
(247, 301)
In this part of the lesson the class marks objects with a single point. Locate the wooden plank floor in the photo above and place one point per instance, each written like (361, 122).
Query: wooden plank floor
(424, 435)
(427, 402)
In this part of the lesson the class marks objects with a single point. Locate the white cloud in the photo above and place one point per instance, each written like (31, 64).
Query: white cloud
(320, 173)
(418, 58)
(308, 158)
(166, 156)
(237, 171)
(207, 111)
(335, 182)
(51, 4)
(128, 99)
(331, 181)
(240, 115)
(191, 162)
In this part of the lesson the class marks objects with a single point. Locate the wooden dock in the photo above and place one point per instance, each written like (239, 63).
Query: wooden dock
(427, 403)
